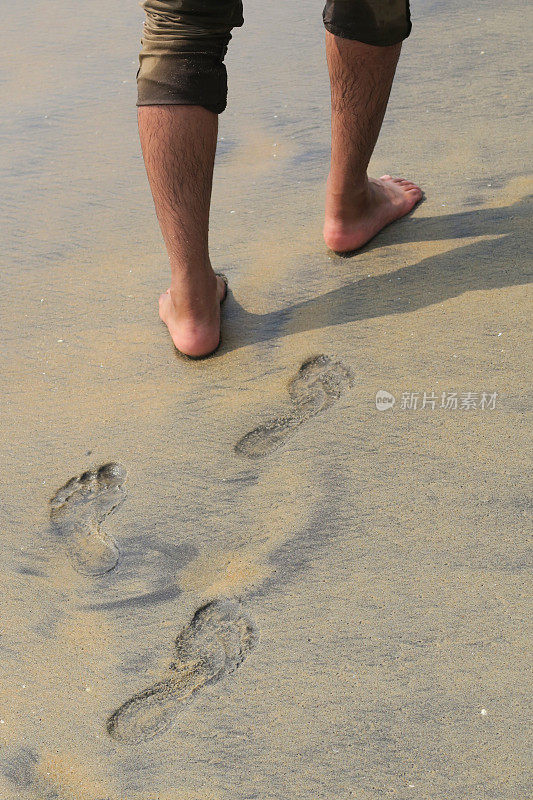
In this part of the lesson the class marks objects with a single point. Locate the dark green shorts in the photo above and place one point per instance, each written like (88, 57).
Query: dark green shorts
(184, 43)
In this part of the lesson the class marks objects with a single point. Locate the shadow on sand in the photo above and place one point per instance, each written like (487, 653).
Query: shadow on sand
(487, 264)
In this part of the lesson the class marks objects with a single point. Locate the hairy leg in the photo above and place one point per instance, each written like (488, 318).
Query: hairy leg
(358, 207)
(179, 144)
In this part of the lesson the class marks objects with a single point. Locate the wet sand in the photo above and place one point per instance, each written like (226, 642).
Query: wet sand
(293, 595)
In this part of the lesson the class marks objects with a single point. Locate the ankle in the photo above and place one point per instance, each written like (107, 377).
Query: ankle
(194, 293)
(347, 191)
(343, 201)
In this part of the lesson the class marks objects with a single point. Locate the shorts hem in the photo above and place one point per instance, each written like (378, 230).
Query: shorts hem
(173, 101)
(376, 41)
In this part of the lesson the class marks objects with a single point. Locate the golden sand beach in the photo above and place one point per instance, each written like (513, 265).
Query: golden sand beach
(259, 586)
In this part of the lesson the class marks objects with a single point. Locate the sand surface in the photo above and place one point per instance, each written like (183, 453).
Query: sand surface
(336, 608)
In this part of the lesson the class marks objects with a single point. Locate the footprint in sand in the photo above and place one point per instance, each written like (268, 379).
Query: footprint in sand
(319, 383)
(79, 508)
(212, 645)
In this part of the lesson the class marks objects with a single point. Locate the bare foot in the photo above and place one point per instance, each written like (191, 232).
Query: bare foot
(192, 315)
(352, 219)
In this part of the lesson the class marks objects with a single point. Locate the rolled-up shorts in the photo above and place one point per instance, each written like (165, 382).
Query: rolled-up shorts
(184, 43)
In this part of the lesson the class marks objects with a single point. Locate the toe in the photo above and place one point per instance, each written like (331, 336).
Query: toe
(222, 286)
(87, 481)
(65, 492)
(110, 475)
(76, 491)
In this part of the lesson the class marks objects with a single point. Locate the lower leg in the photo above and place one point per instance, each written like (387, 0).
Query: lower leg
(357, 207)
(178, 144)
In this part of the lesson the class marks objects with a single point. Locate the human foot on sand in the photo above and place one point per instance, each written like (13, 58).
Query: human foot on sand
(191, 312)
(179, 145)
(355, 217)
